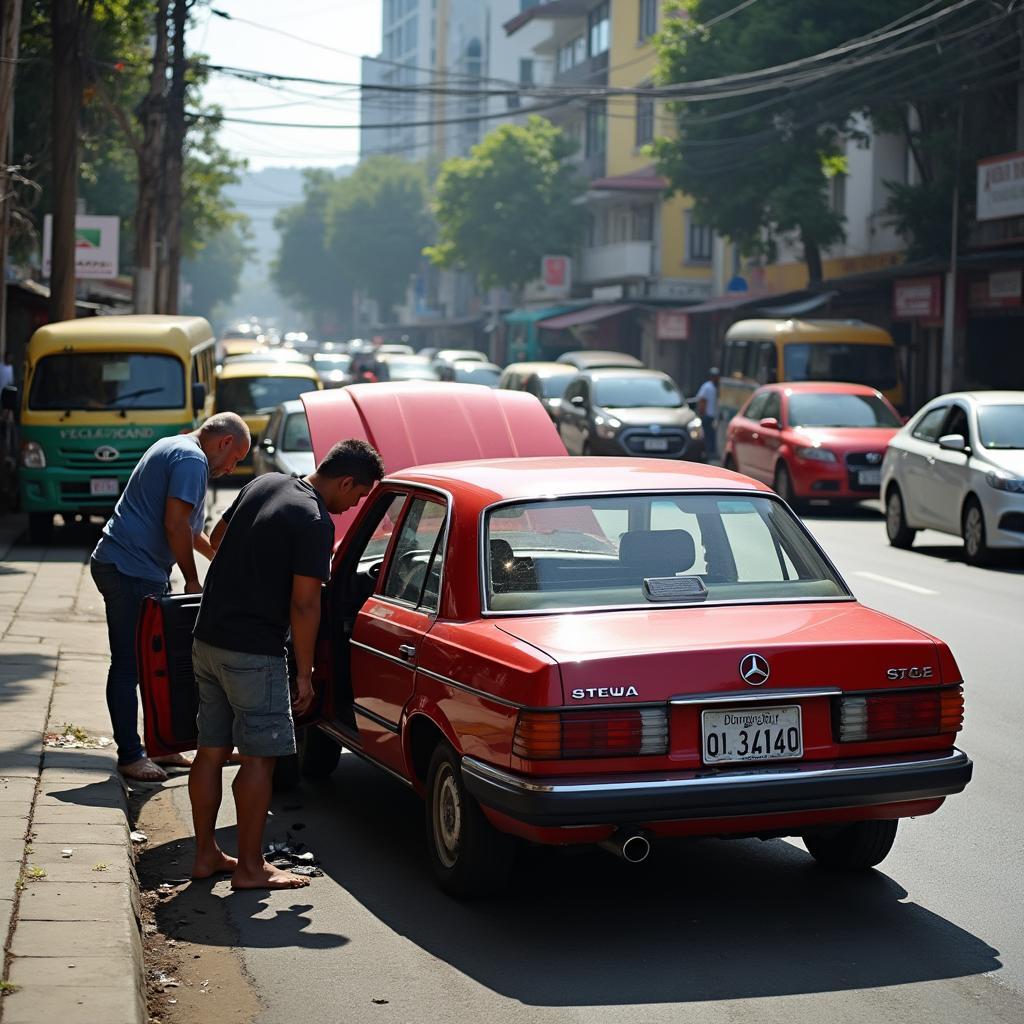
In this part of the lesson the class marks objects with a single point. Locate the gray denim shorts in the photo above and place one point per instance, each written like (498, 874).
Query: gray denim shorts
(243, 701)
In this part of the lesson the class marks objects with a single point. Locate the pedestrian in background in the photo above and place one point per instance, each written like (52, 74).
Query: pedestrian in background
(274, 548)
(707, 410)
(157, 521)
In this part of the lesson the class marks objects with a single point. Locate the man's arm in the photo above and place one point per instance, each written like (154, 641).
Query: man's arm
(179, 538)
(218, 535)
(201, 543)
(305, 623)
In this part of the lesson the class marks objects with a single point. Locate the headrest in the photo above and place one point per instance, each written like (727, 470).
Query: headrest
(657, 552)
(501, 551)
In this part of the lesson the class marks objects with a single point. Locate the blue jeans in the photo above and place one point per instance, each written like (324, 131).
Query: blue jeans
(710, 438)
(122, 596)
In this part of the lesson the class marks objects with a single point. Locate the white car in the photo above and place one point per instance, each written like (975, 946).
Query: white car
(958, 467)
(285, 445)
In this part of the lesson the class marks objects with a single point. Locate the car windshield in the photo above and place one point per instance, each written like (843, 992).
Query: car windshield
(837, 410)
(296, 433)
(482, 374)
(637, 393)
(249, 395)
(331, 361)
(635, 550)
(1001, 426)
(554, 386)
(873, 365)
(107, 380)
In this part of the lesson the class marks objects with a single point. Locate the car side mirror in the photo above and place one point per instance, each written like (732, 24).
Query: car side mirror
(578, 401)
(954, 443)
(9, 400)
(267, 444)
(198, 397)
(769, 423)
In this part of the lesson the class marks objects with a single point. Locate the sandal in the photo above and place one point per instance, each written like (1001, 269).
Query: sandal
(173, 761)
(143, 770)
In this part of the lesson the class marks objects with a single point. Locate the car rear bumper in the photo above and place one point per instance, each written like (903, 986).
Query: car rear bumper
(711, 793)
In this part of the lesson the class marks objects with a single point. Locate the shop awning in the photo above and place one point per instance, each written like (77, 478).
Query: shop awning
(801, 307)
(584, 316)
(531, 316)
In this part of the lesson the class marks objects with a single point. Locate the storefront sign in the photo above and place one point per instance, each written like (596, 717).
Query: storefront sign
(1001, 186)
(673, 325)
(96, 246)
(917, 298)
(556, 275)
(1001, 289)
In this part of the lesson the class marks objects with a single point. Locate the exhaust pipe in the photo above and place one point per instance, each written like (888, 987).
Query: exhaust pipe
(632, 847)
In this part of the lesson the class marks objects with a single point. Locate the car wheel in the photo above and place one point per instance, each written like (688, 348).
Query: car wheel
(783, 485)
(469, 857)
(976, 549)
(40, 527)
(318, 753)
(900, 535)
(855, 847)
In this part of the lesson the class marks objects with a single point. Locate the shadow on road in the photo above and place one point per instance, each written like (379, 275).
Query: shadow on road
(701, 920)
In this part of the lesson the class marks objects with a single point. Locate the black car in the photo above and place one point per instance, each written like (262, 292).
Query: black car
(623, 411)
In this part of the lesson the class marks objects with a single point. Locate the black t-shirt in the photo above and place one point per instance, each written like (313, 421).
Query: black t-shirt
(278, 527)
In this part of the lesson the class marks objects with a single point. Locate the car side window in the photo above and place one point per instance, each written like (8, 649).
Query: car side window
(414, 573)
(757, 403)
(929, 426)
(957, 423)
(773, 407)
(571, 392)
(387, 512)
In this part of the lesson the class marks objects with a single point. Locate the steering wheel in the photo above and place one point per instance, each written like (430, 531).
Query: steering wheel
(410, 574)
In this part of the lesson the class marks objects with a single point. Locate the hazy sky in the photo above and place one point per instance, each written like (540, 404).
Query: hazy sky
(336, 35)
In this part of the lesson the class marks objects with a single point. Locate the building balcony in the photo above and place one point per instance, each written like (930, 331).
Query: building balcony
(619, 261)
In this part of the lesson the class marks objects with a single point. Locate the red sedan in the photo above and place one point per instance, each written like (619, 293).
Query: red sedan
(812, 440)
(594, 650)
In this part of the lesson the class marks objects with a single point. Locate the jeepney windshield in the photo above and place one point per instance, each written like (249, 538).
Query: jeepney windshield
(68, 381)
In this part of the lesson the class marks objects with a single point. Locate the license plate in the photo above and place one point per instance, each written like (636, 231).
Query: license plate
(869, 477)
(102, 487)
(656, 444)
(752, 734)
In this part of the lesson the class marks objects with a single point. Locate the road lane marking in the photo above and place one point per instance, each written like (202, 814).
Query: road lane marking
(895, 583)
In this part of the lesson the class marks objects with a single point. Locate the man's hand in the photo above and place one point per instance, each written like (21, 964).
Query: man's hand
(304, 699)
(193, 587)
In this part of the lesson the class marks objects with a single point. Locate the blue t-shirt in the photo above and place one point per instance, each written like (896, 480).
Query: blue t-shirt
(134, 539)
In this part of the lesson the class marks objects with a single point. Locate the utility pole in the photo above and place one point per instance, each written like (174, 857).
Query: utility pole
(949, 309)
(152, 113)
(66, 27)
(10, 29)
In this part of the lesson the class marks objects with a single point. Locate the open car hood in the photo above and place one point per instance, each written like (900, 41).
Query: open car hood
(414, 423)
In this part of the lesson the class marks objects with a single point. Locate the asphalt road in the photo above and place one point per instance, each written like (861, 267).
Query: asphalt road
(710, 930)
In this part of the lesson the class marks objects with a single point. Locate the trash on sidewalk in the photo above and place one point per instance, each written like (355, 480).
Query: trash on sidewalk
(166, 981)
(309, 870)
(71, 736)
(67, 852)
(138, 837)
(291, 855)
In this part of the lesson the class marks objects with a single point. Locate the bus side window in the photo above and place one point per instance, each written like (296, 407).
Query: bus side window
(735, 357)
(766, 369)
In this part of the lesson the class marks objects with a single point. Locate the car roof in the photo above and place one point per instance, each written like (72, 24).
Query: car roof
(291, 407)
(983, 397)
(142, 327)
(553, 477)
(599, 356)
(270, 368)
(820, 387)
(620, 372)
(474, 364)
(853, 331)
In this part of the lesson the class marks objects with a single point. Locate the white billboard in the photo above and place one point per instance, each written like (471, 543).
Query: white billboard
(96, 245)
(1001, 187)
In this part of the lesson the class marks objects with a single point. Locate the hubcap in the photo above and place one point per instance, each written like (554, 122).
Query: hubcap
(447, 813)
(972, 532)
(893, 515)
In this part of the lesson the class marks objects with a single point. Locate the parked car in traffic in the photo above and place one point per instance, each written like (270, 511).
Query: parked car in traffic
(285, 445)
(572, 651)
(334, 368)
(447, 356)
(958, 467)
(404, 367)
(595, 358)
(625, 411)
(545, 381)
(470, 371)
(390, 348)
(813, 440)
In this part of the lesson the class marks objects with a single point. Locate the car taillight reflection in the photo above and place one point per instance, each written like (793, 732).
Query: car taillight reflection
(900, 715)
(619, 732)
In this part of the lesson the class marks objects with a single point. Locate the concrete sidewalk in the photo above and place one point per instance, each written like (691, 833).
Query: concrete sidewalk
(70, 922)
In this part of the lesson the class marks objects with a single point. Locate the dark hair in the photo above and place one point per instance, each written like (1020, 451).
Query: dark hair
(354, 458)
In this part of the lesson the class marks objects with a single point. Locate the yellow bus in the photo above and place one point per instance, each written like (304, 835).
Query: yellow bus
(254, 388)
(757, 352)
(98, 392)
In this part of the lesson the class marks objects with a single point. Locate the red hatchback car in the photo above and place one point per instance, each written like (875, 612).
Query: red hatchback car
(813, 440)
(589, 650)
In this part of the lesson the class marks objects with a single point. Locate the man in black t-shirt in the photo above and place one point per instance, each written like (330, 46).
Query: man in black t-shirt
(273, 549)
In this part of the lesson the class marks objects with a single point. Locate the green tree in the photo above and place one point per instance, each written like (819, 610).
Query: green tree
(378, 223)
(304, 270)
(215, 270)
(759, 166)
(507, 204)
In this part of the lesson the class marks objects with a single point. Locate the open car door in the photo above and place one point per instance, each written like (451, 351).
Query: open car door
(170, 699)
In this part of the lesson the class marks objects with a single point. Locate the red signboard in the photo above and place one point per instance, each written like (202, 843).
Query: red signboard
(673, 325)
(917, 298)
(555, 271)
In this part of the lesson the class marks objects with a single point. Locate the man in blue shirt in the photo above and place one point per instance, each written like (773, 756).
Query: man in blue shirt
(158, 521)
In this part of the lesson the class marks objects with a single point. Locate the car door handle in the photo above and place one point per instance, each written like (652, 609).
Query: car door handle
(407, 651)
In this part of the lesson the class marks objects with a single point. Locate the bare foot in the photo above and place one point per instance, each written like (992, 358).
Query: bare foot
(143, 770)
(267, 877)
(173, 761)
(218, 864)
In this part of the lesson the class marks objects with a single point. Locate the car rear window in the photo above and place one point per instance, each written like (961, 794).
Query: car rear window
(639, 550)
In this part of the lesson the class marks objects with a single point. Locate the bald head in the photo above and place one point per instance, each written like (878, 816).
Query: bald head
(225, 441)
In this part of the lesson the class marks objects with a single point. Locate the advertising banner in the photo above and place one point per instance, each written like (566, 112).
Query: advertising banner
(1001, 187)
(96, 245)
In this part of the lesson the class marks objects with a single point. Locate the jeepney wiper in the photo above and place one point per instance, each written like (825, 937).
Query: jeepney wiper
(132, 394)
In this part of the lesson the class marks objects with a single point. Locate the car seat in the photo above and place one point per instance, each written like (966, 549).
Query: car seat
(647, 553)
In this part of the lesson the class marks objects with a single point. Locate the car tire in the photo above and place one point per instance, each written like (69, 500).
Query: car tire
(287, 774)
(900, 535)
(972, 529)
(318, 753)
(856, 847)
(40, 527)
(783, 485)
(468, 855)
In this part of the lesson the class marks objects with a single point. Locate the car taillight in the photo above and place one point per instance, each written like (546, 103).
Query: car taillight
(619, 732)
(890, 716)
